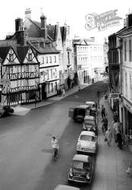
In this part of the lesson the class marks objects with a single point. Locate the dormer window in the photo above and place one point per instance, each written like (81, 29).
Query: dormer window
(11, 57)
(29, 56)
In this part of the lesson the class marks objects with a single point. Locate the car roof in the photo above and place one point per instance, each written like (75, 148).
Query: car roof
(91, 133)
(90, 102)
(89, 117)
(65, 187)
(82, 106)
(81, 157)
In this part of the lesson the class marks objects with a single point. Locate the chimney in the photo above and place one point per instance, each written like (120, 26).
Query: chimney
(43, 26)
(20, 33)
(129, 20)
(28, 13)
(18, 24)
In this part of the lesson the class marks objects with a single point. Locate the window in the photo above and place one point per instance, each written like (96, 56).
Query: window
(125, 52)
(131, 86)
(11, 57)
(130, 50)
(126, 84)
(29, 56)
(50, 59)
(55, 59)
(46, 59)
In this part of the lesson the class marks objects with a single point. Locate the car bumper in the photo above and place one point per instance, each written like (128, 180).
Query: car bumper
(86, 151)
(79, 179)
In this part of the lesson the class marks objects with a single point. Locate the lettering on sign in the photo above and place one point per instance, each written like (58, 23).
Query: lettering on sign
(102, 21)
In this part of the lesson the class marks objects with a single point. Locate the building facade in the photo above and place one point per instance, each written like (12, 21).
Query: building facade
(125, 50)
(19, 75)
(89, 60)
(114, 67)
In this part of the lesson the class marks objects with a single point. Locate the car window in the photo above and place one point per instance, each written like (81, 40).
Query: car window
(86, 165)
(87, 138)
(80, 112)
(78, 165)
(90, 122)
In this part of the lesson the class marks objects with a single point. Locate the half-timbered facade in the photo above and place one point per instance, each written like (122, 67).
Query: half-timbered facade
(20, 75)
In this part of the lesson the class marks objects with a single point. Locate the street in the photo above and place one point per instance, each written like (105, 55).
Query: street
(25, 149)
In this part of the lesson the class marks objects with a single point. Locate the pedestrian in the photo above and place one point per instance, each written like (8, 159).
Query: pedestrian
(103, 111)
(55, 146)
(119, 140)
(63, 92)
(116, 129)
(108, 136)
(105, 124)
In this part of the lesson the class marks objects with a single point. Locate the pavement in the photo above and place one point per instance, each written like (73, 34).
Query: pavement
(111, 163)
(22, 110)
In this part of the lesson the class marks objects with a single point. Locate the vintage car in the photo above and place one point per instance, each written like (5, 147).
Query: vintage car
(89, 124)
(87, 143)
(78, 113)
(6, 111)
(91, 104)
(92, 107)
(82, 169)
(66, 187)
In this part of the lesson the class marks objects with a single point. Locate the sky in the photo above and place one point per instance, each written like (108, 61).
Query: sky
(72, 12)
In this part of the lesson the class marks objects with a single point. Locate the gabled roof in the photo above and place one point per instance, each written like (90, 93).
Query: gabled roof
(34, 30)
(125, 31)
(3, 52)
(20, 51)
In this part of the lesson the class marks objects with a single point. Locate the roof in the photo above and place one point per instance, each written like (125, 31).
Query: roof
(82, 106)
(34, 30)
(45, 50)
(65, 187)
(90, 102)
(81, 157)
(20, 52)
(3, 52)
(91, 133)
(89, 117)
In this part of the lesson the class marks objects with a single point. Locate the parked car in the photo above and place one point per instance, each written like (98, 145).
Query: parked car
(78, 113)
(89, 124)
(66, 187)
(82, 169)
(87, 143)
(91, 104)
(6, 111)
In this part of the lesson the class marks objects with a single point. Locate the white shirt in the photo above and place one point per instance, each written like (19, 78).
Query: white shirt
(54, 143)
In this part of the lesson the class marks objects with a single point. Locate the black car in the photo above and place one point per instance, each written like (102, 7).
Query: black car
(82, 169)
(78, 113)
(6, 111)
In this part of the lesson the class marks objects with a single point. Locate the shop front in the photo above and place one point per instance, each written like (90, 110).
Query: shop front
(128, 122)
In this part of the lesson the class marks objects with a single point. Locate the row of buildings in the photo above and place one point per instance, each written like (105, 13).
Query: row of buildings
(120, 74)
(39, 59)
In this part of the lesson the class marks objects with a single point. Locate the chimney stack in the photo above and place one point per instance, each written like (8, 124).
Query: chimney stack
(18, 24)
(43, 26)
(20, 33)
(28, 13)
